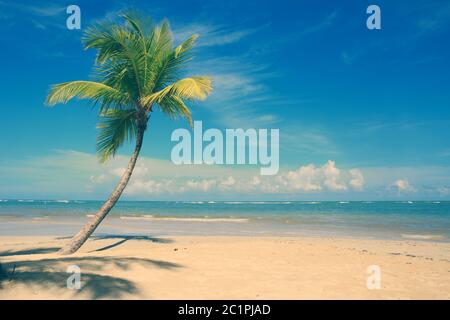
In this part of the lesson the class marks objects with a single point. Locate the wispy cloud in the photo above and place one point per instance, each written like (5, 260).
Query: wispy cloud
(326, 22)
(43, 16)
(239, 91)
(44, 9)
(348, 57)
(435, 19)
(212, 35)
(444, 153)
(375, 126)
(305, 139)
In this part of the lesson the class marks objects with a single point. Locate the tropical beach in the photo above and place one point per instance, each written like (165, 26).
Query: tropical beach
(228, 250)
(216, 267)
(234, 150)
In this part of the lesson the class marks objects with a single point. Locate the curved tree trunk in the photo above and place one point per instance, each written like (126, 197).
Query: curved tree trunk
(80, 238)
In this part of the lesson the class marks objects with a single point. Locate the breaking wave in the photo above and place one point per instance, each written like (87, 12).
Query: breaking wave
(188, 219)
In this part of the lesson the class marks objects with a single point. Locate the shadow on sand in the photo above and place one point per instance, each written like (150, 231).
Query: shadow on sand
(50, 273)
(28, 251)
(124, 238)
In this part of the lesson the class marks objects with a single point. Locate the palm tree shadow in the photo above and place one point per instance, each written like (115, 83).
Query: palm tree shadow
(50, 273)
(124, 238)
(3, 276)
(7, 253)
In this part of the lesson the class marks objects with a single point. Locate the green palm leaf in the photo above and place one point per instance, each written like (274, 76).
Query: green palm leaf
(137, 67)
(194, 88)
(115, 127)
(174, 107)
(94, 91)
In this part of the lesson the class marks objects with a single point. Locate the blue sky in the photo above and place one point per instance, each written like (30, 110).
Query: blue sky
(362, 114)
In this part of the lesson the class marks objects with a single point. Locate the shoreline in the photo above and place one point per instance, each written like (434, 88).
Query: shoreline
(204, 227)
(388, 220)
(230, 267)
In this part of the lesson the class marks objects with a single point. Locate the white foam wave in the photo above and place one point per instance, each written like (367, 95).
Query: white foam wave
(152, 218)
(423, 236)
(269, 202)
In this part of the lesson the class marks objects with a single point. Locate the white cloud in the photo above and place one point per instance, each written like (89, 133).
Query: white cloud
(306, 179)
(78, 175)
(312, 178)
(357, 179)
(332, 177)
(100, 179)
(228, 183)
(72, 171)
(201, 185)
(443, 191)
(150, 186)
(402, 185)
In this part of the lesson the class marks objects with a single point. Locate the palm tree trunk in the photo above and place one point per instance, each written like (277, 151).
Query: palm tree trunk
(80, 238)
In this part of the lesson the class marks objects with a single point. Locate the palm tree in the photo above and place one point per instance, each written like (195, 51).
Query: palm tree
(137, 69)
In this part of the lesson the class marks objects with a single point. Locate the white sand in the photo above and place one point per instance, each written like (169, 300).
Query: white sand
(226, 268)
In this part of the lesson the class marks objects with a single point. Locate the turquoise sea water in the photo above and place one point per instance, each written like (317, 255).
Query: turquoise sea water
(422, 220)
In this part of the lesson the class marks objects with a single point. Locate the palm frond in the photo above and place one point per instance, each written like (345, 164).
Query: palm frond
(159, 50)
(115, 127)
(95, 91)
(185, 46)
(136, 67)
(119, 44)
(174, 107)
(135, 21)
(194, 88)
(168, 68)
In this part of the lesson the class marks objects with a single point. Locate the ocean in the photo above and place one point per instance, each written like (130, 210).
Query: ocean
(415, 220)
